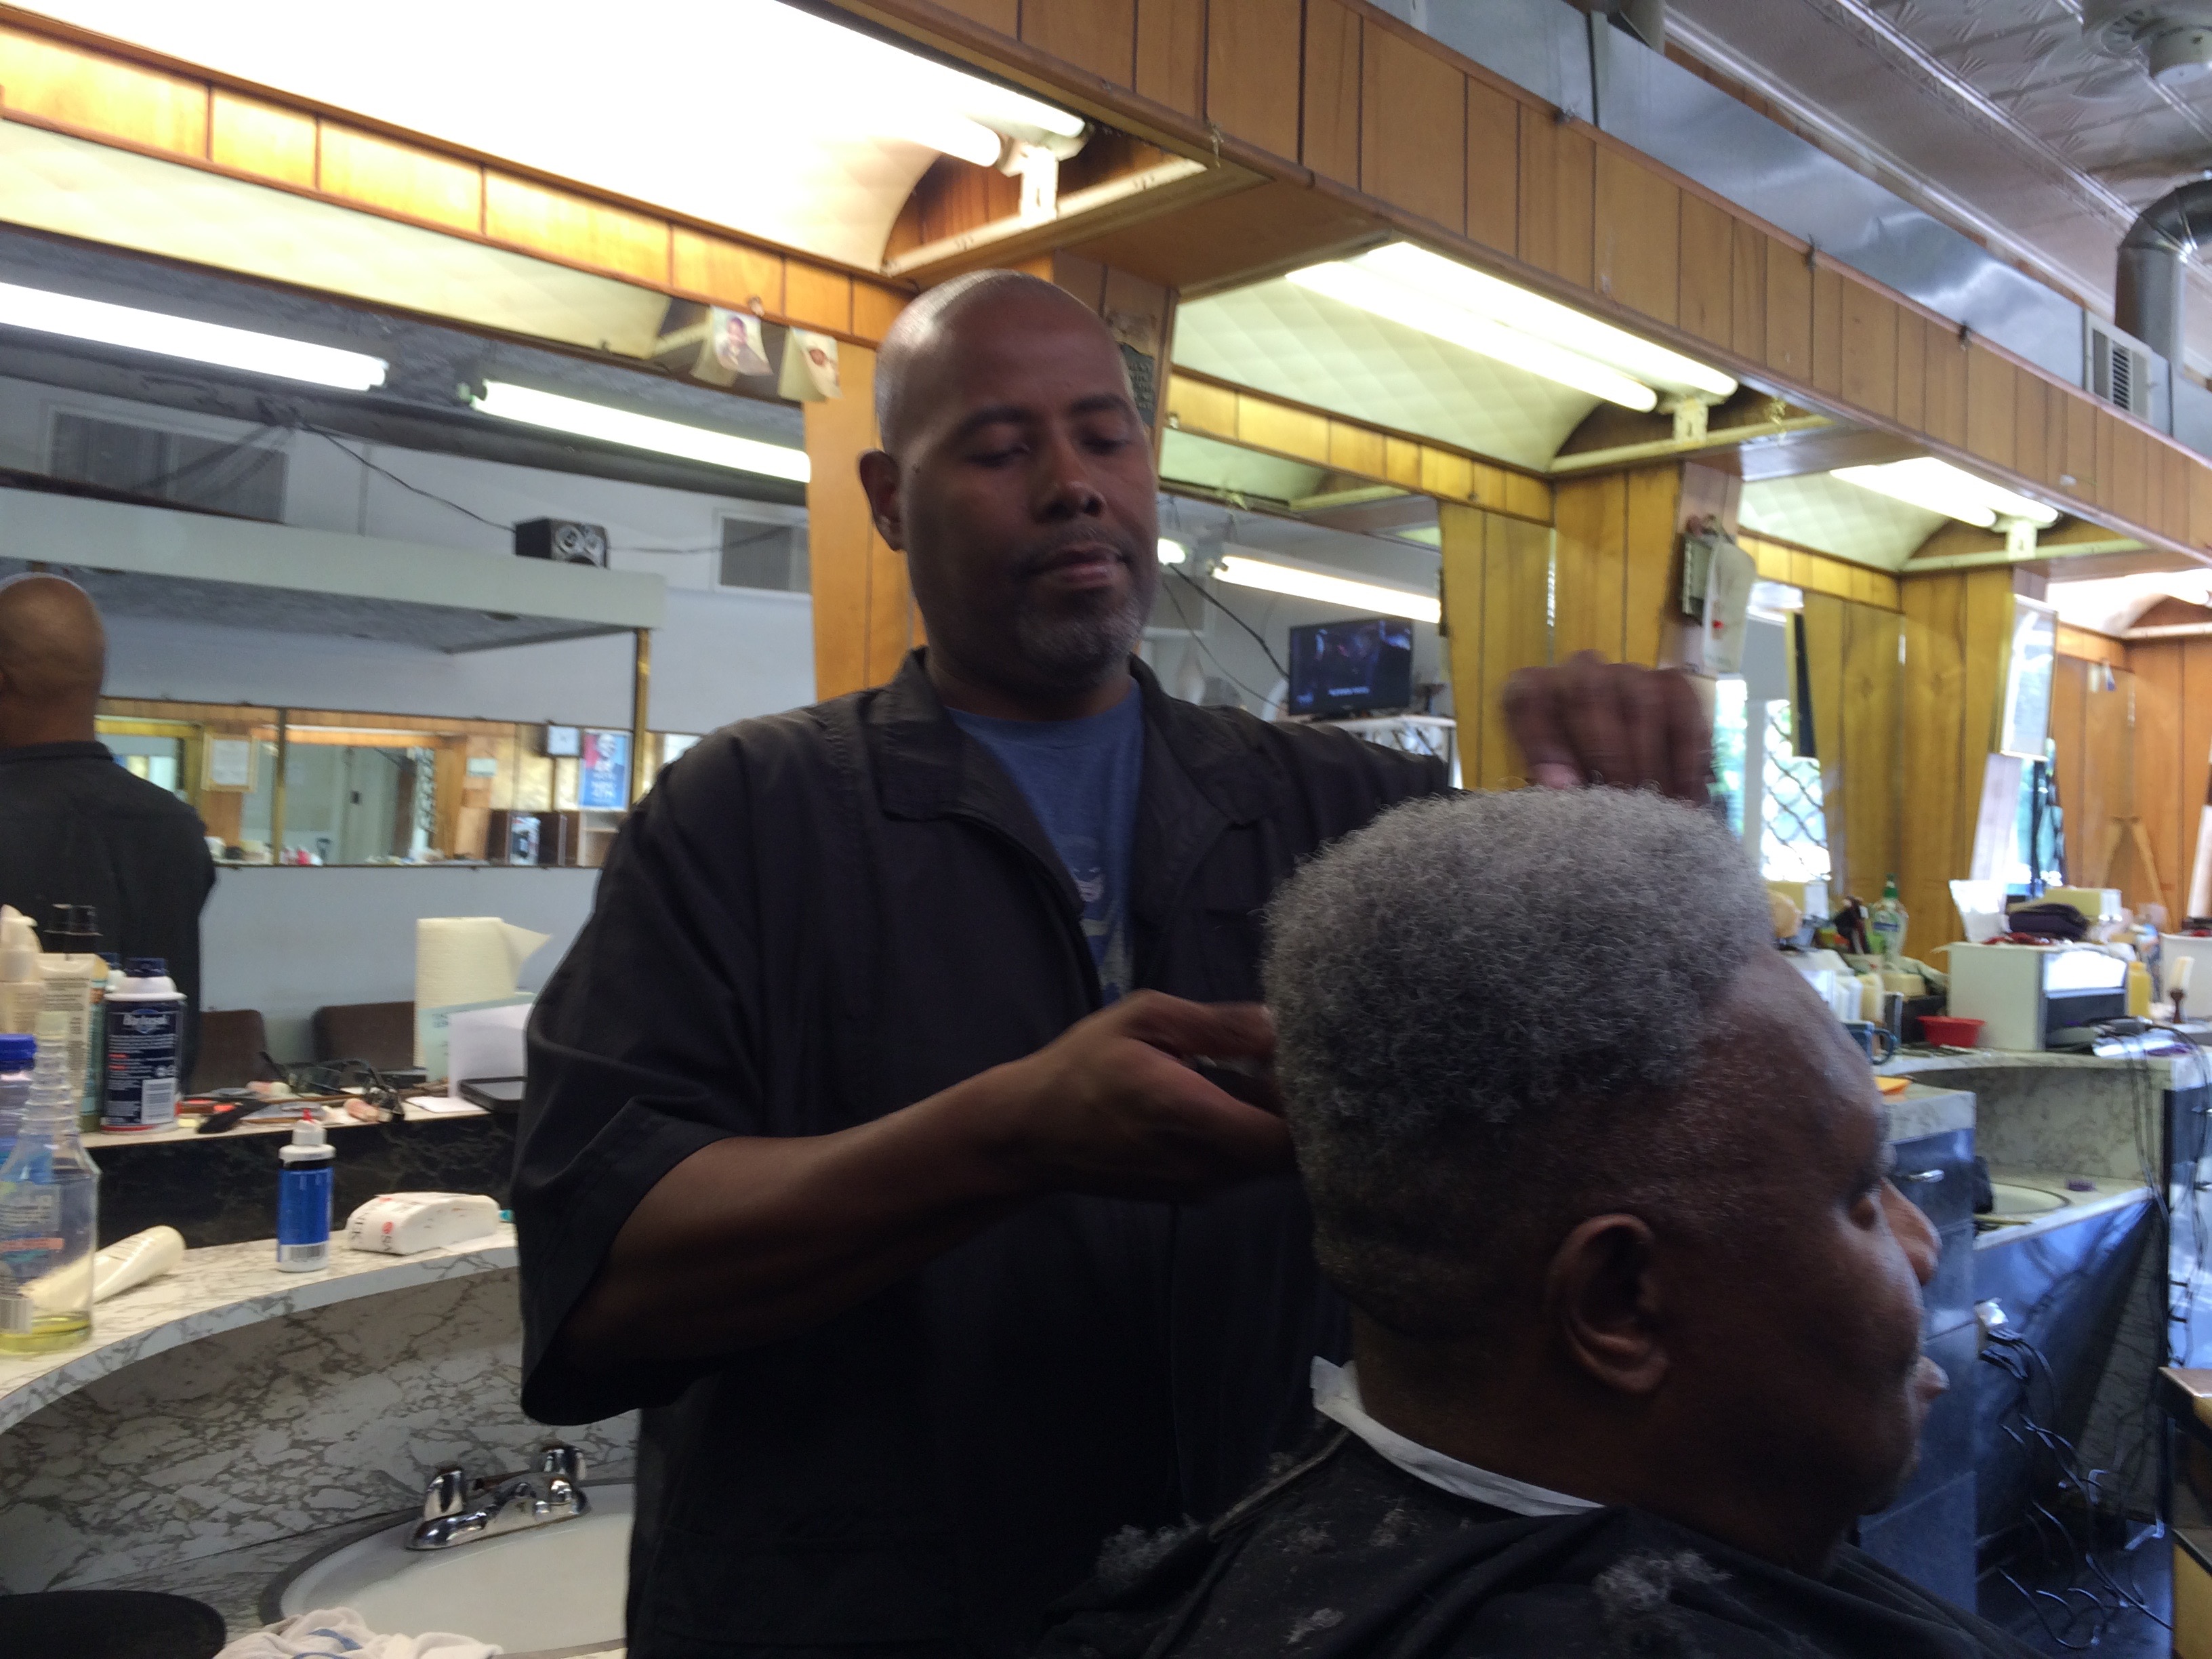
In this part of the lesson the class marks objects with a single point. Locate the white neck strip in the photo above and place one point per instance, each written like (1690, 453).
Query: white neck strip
(1336, 1396)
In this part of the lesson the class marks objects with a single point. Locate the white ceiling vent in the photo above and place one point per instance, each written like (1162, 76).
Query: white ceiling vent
(2174, 37)
(2118, 370)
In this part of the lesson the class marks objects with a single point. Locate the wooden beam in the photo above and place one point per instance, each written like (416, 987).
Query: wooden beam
(1208, 408)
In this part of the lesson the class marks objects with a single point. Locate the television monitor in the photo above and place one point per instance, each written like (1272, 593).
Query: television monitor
(1361, 665)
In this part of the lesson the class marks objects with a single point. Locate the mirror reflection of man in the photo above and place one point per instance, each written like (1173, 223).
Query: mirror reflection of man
(1636, 1309)
(75, 827)
(860, 1146)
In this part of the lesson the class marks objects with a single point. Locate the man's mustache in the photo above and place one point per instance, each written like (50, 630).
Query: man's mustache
(1035, 559)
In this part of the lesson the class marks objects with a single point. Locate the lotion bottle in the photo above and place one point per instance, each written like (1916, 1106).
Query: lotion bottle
(303, 1201)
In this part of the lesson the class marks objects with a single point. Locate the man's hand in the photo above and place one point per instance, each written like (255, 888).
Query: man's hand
(1593, 721)
(1115, 1105)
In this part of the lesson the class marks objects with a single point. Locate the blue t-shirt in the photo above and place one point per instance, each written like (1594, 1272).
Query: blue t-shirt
(1081, 778)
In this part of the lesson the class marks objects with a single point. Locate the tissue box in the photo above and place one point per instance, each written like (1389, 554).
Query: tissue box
(402, 1224)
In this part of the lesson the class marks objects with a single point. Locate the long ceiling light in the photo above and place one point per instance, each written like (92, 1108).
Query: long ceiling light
(103, 324)
(1449, 302)
(1330, 590)
(618, 426)
(1939, 487)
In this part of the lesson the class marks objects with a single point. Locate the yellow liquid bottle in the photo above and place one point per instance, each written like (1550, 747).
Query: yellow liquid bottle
(49, 1211)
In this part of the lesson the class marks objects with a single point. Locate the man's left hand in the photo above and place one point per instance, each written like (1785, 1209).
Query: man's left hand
(1590, 721)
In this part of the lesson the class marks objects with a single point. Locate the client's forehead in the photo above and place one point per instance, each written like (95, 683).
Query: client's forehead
(1783, 1070)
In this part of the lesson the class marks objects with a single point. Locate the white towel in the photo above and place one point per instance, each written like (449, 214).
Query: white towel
(339, 1633)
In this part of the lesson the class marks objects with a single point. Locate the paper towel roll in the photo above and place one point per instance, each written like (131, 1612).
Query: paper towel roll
(461, 959)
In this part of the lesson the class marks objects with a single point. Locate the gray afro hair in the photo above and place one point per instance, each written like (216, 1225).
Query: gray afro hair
(1485, 1004)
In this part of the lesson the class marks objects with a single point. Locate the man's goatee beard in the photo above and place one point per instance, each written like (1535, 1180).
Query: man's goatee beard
(1078, 651)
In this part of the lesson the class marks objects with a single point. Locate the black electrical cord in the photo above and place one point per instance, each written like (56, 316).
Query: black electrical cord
(1207, 650)
(338, 443)
(1216, 601)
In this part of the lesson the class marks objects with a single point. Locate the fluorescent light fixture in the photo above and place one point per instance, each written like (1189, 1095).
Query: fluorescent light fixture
(1393, 302)
(1406, 284)
(1172, 552)
(619, 426)
(102, 324)
(817, 95)
(1330, 590)
(1939, 487)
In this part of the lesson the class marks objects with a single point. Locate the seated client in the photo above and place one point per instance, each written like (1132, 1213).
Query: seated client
(1636, 1309)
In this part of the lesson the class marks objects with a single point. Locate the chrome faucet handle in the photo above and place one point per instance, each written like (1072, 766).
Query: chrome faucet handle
(447, 1494)
(557, 1457)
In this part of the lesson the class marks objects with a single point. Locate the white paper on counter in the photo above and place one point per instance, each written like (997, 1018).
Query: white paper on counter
(484, 1042)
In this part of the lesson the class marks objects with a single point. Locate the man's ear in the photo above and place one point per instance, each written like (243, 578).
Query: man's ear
(1603, 1298)
(879, 478)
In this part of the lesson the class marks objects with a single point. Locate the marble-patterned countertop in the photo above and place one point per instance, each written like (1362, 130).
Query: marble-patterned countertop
(1931, 1063)
(1926, 1110)
(224, 1288)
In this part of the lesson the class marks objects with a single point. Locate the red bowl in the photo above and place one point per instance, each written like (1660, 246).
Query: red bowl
(1950, 1031)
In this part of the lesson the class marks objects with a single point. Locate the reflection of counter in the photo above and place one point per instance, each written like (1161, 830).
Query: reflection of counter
(221, 1290)
(222, 1189)
(226, 1415)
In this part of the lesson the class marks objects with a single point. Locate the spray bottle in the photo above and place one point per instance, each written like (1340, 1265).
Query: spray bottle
(49, 1212)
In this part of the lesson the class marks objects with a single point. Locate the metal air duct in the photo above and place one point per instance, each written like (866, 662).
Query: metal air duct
(2148, 302)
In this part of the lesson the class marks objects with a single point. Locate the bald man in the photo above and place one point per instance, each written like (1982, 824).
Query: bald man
(890, 1136)
(75, 827)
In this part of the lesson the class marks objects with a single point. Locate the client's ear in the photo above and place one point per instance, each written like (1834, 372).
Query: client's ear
(1602, 1297)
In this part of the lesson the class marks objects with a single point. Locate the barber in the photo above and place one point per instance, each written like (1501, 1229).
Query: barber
(76, 828)
(864, 1143)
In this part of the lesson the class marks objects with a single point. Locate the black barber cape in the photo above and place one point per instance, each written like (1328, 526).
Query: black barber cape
(76, 829)
(1349, 1557)
(820, 917)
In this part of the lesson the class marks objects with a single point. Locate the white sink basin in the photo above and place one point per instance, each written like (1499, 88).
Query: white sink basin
(2017, 1203)
(551, 1589)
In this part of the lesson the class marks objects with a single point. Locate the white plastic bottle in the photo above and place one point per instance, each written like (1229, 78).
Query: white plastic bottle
(145, 1028)
(49, 1212)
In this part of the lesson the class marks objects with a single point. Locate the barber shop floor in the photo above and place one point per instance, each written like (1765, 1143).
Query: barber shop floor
(2117, 1603)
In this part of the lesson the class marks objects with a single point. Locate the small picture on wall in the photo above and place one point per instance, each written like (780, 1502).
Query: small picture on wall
(230, 763)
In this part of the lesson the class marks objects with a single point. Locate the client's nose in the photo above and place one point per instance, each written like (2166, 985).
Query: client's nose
(1922, 1248)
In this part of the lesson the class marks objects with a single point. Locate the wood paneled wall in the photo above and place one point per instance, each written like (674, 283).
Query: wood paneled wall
(1497, 575)
(1336, 96)
(1857, 688)
(1818, 573)
(2172, 687)
(1618, 572)
(1958, 641)
(2092, 731)
(203, 123)
(865, 620)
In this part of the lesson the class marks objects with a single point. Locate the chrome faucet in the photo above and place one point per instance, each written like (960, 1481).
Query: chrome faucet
(454, 1512)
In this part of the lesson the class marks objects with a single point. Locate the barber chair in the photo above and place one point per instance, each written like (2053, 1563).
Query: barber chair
(229, 1055)
(382, 1033)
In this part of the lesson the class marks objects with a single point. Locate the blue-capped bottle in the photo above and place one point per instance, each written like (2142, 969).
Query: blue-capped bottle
(303, 1201)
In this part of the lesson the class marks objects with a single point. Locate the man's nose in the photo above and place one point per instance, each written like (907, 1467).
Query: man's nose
(1064, 482)
(1922, 1248)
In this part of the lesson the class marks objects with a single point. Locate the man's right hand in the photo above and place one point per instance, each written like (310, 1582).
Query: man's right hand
(1115, 1105)
(754, 1238)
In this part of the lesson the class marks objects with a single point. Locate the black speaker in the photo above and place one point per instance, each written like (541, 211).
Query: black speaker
(562, 540)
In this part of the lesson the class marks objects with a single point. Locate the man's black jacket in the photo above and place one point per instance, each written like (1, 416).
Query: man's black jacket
(820, 917)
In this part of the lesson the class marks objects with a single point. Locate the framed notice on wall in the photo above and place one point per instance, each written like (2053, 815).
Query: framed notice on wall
(603, 772)
(230, 763)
